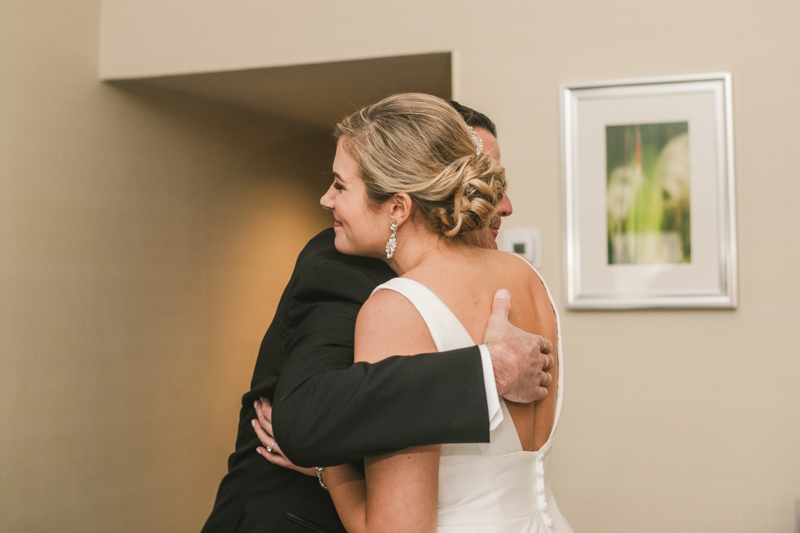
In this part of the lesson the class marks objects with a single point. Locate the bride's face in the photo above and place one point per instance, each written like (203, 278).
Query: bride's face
(360, 229)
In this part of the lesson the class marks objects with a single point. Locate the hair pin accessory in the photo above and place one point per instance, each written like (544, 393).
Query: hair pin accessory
(477, 141)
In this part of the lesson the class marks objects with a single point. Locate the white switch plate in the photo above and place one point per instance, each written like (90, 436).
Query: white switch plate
(524, 241)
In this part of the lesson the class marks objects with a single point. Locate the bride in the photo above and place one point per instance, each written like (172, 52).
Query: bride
(410, 184)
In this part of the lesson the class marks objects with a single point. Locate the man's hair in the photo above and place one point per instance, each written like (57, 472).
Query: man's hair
(473, 118)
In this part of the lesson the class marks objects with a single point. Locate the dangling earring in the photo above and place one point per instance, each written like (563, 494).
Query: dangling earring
(391, 246)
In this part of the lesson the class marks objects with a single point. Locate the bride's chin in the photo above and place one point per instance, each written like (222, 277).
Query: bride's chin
(343, 246)
(339, 244)
(347, 248)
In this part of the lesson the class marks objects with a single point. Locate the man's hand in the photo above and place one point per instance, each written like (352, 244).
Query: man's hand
(518, 358)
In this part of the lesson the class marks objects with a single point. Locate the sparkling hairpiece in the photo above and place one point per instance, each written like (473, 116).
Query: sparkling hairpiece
(477, 141)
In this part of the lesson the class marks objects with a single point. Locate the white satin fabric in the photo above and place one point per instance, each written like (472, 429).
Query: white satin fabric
(494, 487)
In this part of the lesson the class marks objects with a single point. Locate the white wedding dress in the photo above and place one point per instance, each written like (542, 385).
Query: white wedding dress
(494, 487)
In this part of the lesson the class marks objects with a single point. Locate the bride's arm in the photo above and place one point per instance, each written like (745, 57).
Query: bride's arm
(401, 490)
(401, 493)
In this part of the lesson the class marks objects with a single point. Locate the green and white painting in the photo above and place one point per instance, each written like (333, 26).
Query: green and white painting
(648, 193)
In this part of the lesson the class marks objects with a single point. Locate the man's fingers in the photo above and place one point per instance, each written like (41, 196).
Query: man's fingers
(545, 379)
(545, 346)
(541, 392)
(501, 305)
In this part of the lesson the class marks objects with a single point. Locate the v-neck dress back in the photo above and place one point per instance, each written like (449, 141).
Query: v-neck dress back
(493, 487)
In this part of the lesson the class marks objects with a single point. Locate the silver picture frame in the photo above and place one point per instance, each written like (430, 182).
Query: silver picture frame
(625, 248)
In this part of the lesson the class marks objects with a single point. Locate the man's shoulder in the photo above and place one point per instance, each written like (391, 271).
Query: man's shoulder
(321, 259)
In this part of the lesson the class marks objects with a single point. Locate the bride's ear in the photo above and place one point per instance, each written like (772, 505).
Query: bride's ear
(400, 206)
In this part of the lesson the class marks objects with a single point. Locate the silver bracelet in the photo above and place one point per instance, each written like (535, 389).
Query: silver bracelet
(319, 477)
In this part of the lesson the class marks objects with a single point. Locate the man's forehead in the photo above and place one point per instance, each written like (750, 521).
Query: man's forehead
(490, 145)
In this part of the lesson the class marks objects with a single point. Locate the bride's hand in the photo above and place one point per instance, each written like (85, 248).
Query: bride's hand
(271, 450)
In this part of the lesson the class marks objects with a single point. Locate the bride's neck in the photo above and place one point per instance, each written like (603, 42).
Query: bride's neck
(416, 245)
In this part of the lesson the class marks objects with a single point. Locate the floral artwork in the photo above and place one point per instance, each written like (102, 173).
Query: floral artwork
(648, 196)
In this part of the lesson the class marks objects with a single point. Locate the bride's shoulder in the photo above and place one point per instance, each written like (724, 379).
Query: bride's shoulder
(512, 262)
(518, 268)
(385, 302)
(389, 324)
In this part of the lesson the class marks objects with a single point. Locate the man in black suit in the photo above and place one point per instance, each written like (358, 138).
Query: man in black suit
(328, 411)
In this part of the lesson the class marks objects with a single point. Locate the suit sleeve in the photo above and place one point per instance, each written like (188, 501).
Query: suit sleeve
(328, 410)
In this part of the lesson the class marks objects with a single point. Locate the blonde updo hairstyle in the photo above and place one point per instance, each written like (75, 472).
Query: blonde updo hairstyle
(418, 144)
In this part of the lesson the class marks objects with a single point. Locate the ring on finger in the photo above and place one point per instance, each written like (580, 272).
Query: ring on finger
(269, 448)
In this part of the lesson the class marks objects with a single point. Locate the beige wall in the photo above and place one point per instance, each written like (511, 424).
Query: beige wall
(137, 269)
(144, 243)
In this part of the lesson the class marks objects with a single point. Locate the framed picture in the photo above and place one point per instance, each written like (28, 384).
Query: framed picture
(649, 193)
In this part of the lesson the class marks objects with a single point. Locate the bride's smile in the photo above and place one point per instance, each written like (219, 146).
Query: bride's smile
(361, 229)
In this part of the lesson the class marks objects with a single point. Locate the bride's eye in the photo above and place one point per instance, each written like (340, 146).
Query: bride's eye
(338, 186)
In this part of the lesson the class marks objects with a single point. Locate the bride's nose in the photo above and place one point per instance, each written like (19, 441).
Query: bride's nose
(327, 199)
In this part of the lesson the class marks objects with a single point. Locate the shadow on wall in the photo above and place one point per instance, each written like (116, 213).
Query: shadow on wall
(225, 254)
(155, 239)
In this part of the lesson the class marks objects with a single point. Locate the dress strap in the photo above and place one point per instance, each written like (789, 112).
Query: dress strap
(447, 331)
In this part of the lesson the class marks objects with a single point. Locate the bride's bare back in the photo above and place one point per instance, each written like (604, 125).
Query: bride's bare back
(466, 279)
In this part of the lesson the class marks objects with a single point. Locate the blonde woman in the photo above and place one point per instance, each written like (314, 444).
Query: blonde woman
(411, 183)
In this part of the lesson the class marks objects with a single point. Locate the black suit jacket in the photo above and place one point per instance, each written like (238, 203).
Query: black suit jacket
(327, 410)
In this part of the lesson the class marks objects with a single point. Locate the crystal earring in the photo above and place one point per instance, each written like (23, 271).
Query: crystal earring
(391, 246)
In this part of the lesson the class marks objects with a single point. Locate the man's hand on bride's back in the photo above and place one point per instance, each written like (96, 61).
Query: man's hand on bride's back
(519, 358)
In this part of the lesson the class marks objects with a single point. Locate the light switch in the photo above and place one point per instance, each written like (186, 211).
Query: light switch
(526, 242)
